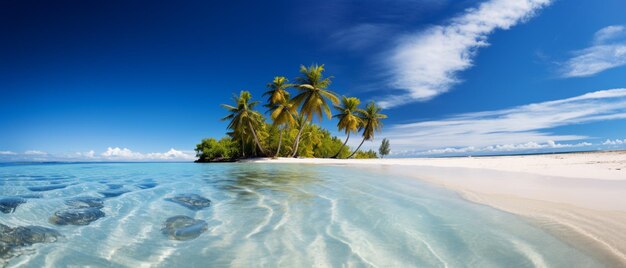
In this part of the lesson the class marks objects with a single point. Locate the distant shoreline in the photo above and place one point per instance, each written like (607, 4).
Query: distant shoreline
(604, 165)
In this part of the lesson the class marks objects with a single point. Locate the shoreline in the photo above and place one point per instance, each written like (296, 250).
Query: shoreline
(578, 197)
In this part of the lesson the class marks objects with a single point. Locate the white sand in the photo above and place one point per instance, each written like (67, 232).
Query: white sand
(578, 197)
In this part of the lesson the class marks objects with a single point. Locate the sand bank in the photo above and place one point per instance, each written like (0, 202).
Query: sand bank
(578, 197)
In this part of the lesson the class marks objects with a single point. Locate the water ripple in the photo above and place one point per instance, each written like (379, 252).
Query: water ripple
(270, 215)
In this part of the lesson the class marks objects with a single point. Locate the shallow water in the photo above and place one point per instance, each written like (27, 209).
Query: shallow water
(267, 215)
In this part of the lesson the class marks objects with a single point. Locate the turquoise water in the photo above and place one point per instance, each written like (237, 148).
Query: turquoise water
(266, 215)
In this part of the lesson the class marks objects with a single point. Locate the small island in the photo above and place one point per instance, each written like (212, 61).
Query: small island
(291, 131)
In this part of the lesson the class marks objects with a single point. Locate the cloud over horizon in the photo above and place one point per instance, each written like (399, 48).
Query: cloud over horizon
(111, 154)
(608, 51)
(426, 64)
(500, 148)
(518, 127)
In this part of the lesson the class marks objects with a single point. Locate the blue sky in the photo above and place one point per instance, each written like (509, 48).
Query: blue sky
(139, 80)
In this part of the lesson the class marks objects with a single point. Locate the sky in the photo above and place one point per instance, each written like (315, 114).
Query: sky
(144, 80)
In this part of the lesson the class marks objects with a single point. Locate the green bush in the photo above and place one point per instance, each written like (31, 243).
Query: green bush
(365, 154)
(211, 149)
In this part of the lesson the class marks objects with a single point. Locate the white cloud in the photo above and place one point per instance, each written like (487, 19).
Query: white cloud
(426, 64)
(35, 152)
(520, 147)
(172, 154)
(111, 154)
(608, 51)
(516, 125)
(89, 154)
(128, 155)
(614, 142)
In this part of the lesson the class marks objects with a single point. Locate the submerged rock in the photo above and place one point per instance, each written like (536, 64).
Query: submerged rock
(30, 196)
(147, 185)
(115, 186)
(9, 204)
(76, 216)
(5, 251)
(113, 192)
(46, 187)
(21, 236)
(85, 202)
(184, 228)
(191, 201)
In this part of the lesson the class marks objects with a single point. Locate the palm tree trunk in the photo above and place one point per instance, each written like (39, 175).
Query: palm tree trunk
(357, 148)
(256, 139)
(280, 141)
(343, 145)
(297, 141)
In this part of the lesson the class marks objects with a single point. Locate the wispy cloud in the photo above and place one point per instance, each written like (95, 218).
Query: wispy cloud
(608, 34)
(503, 148)
(608, 51)
(111, 154)
(361, 36)
(426, 64)
(35, 152)
(525, 124)
(126, 154)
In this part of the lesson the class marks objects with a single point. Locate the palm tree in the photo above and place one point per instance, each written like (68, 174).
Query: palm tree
(280, 106)
(348, 116)
(313, 96)
(371, 117)
(284, 116)
(277, 91)
(244, 118)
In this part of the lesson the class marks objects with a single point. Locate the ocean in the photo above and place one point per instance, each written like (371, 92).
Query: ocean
(255, 215)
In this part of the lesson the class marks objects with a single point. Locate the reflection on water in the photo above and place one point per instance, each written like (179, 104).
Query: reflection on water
(204, 215)
(247, 182)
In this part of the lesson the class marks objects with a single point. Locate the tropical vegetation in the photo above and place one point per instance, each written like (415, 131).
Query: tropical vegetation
(289, 129)
(385, 148)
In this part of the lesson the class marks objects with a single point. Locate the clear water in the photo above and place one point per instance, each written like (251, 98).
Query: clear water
(272, 215)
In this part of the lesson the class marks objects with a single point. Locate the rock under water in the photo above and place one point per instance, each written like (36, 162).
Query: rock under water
(46, 187)
(191, 201)
(76, 216)
(183, 228)
(85, 202)
(9, 204)
(30, 196)
(115, 186)
(21, 236)
(113, 192)
(147, 185)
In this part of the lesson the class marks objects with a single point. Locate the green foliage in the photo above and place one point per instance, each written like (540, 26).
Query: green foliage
(371, 118)
(365, 154)
(212, 150)
(291, 131)
(384, 148)
(318, 142)
(277, 91)
(244, 120)
(313, 93)
(349, 120)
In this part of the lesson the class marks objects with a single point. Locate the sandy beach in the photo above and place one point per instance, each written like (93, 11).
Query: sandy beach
(577, 197)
